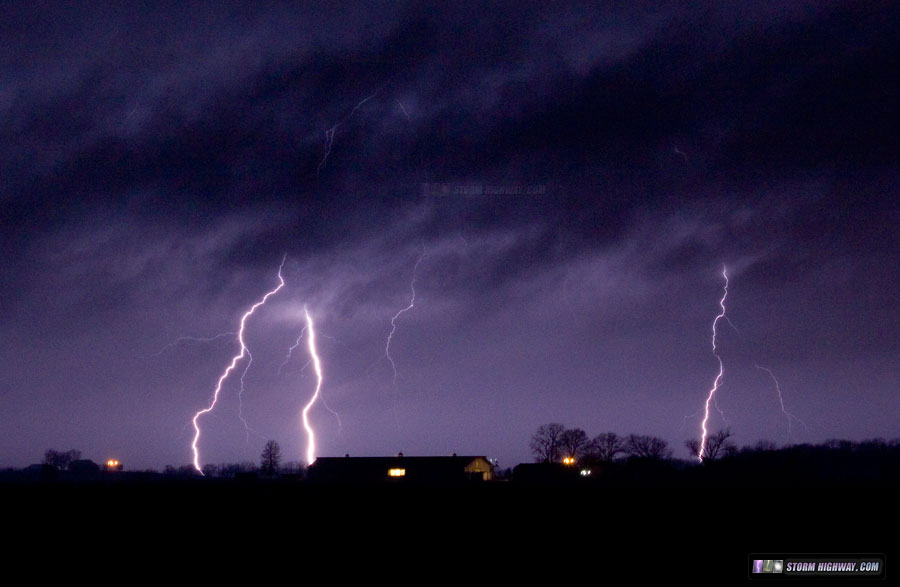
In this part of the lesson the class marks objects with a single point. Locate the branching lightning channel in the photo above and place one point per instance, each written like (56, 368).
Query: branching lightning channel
(182, 339)
(291, 351)
(310, 433)
(789, 415)
(329, 134)
(718, 381)
(234, 361)
(718, 409)
(243, 420)
(412, 303)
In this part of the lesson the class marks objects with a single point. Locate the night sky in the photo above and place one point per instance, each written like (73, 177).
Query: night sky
(159, 163)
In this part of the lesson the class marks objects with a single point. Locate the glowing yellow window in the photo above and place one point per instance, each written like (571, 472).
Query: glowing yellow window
(396, 472)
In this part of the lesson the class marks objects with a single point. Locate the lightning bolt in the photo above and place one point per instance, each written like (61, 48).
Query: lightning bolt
(310, 433)
(234, 361)
(302, 369)
(412, 303)
(717, 383)
(329, 134)
(789, 415)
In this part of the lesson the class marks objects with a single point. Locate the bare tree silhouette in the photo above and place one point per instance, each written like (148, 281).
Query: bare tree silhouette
(606, 446)
(647, 447)
(270, 458)
(574, 443)
(717, 445)
(545, 444)
(61, 460)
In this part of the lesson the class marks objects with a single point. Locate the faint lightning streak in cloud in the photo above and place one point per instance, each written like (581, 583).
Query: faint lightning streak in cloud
(329, 134)
(181, 339)
(400, 104)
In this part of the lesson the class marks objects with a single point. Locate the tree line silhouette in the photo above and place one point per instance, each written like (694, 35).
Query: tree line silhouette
(638, 459)
(607, 458)
(552, 443)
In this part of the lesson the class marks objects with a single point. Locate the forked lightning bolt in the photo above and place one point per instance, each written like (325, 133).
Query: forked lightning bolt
(310, 433)
(716, 384)
(234, 361)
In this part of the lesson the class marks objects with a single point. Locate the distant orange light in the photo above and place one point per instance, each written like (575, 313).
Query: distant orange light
(112, 463)
(396, 472)
(568, 461)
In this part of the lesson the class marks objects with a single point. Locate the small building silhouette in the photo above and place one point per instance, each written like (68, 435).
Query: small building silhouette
(453, 470)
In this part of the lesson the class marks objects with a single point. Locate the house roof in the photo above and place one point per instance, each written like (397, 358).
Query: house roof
(399, 459)
(376, 468)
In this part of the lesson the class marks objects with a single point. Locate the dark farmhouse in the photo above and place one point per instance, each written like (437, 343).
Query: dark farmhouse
(454, 470)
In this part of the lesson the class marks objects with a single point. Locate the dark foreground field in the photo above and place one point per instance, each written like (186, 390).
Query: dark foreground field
(496, 532)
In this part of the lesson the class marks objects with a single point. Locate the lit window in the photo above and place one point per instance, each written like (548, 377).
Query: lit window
(396, 472)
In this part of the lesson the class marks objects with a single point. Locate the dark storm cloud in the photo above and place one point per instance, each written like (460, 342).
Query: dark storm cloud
(225, 129)
(158, 163)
